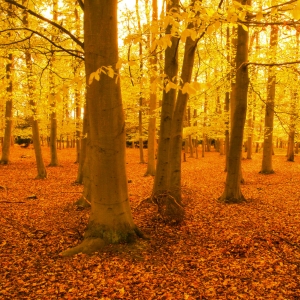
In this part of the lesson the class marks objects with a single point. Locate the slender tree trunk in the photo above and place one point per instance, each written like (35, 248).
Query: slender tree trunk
(293, 113)
(41, 169)
(267, 167)
(232, 192)
(77, 97)
(53, 119)
(142, 161)
(110, 218)
(8, 113)
(83, 146)
(153, 98)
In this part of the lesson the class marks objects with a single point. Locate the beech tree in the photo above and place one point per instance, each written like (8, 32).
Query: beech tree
(267, 167)
(110, 218)
(232, 192)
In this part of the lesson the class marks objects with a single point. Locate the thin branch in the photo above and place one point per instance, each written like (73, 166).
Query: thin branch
(220, 4)
(69, 51)
(272, 64)
(48, 21)
(16, 42)
(81, 4)
(282, 4)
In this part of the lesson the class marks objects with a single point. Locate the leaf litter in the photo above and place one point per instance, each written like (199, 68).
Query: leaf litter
(244, 251)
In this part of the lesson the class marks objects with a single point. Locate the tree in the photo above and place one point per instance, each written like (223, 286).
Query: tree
(267, 167)
(232, 192)
(8, 106)
(152, 106)
(110, 219)
(52, 94)
(41, 170)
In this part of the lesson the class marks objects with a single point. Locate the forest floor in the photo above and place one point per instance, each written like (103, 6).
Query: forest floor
(241, 251)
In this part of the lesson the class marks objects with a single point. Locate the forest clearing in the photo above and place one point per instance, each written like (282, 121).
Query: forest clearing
(239, 251)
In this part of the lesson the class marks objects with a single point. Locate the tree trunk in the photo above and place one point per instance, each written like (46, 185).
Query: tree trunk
(267, 167)
(8, 114)
(232, 192)
(110, 218)
(153, 98)
(141, 150)
(83, 146)
(168, 103)
(177, 125)
(41, 170)
(52, 101)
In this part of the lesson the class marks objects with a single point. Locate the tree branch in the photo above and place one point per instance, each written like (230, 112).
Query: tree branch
(272, 64)
(81, 4)
(16, 42)
(77, 41)
(69, 51)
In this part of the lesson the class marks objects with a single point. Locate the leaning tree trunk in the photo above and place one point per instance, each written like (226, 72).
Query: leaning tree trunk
(8, 114)
(232, 192)
(173, 208)
(110, 218)
(267, 167)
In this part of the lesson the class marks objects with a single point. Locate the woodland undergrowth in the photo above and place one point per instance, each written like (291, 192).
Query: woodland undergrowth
(242, 251)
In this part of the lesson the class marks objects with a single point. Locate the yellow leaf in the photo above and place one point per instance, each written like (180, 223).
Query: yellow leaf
(274, 11)
(196, 85)
(110, 72)
(91, 78)
(217, 25)
(185, 88)
(171, 85)
(244, 27)
(119, 64)
(234, 18)
(185, 33)
(132, 63)
(242, 15)
(191, 90)
(168, 87)
(210, 29)
(259, 16)
(97, 76)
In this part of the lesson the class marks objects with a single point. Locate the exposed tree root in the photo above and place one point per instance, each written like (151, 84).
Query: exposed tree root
(232, 200)
(87, 246)
(41, 177)
(82, 202)
(170, 210)
(92, 244)
(267, 172)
